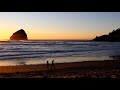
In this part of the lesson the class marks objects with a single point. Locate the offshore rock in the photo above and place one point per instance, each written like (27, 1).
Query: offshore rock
(19, 35)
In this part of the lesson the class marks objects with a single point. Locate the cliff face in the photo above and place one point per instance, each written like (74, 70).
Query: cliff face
(19, 35)
(112, 36)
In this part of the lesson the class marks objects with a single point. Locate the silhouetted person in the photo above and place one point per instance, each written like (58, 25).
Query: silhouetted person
(53, 65)
(47, 65)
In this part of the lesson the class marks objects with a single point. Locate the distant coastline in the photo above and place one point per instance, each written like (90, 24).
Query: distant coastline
(113, 36)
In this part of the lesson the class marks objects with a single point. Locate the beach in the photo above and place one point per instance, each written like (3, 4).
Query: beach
(80, 45)
(86, 69)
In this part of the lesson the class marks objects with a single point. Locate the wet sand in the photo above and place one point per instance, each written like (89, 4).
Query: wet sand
(87, 69)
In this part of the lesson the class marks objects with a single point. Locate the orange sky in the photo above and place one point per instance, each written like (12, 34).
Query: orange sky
(5, 34)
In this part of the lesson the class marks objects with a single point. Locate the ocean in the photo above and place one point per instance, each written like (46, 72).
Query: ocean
(61, 51)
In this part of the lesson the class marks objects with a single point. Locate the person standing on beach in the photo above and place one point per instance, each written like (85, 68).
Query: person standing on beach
(53, 66)
(47, 65)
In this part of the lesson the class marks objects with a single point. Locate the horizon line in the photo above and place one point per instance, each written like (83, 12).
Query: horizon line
(48, 39)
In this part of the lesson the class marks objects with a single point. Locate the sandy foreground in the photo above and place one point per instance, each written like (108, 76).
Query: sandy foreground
(87, 69)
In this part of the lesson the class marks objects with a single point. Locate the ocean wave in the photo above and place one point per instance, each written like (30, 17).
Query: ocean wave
(38, 49)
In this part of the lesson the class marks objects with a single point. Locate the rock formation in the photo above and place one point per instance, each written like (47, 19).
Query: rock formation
(19, 35)
(112, 36)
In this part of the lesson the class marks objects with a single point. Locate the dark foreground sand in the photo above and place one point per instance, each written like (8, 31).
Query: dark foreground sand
(88, 69)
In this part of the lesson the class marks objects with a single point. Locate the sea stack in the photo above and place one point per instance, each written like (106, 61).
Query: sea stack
(19, 35)
(113, 36)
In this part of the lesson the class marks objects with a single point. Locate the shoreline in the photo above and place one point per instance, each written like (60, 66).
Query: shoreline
(43, 67)
(100, 69)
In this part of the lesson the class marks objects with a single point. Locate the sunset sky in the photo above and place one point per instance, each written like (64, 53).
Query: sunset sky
(58, 25)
